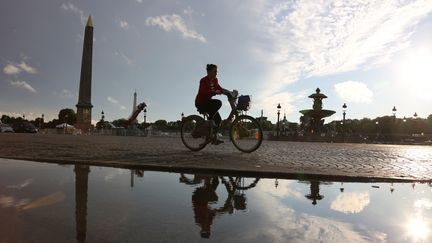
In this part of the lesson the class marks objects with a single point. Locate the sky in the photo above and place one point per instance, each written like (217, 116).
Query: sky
(371, 55)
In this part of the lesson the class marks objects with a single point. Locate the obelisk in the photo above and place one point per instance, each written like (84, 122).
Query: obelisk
(84, 105)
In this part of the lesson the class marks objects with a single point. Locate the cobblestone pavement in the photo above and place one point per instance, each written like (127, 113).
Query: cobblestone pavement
(273, 158)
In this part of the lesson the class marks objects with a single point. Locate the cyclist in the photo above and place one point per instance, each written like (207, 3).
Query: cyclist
(209, 87)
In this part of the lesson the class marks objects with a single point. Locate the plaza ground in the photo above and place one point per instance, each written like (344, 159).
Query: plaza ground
(282, 159)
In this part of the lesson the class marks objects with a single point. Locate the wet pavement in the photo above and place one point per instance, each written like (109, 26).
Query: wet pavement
(272, 159)
(41, 202)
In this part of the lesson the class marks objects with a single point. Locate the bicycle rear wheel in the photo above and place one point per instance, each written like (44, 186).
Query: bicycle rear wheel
(194, 132)
(246, 133)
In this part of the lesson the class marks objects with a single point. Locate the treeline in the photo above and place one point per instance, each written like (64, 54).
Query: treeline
(382, 125)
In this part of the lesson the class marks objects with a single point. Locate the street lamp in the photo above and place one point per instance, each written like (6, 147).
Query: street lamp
(102, 115)
(41, 122)
(65, 123)
(24, 117)
(344, 107)
(277, 125)
(145, 120)
(182, 116)
(145, 116)
(394, 111)
(415, 115)
(376, 123)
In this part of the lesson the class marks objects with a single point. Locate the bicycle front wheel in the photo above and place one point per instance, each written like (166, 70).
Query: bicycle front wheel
(194, 133)
(246, 133)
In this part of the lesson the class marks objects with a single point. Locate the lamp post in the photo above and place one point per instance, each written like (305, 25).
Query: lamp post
(24, 117)
(376, 123)
(102, 120)
(415, 122)
(65, 123)
(145, 116)
(182, 116)
(41, 122)
(394, 122)
(145, 120)
(277, 125)
(344, 107)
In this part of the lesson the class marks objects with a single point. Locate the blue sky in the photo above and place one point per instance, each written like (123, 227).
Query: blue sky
(371, 55)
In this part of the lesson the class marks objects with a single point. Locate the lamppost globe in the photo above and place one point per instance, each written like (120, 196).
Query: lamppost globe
(415, 115)
(394, 111)
(344, 107)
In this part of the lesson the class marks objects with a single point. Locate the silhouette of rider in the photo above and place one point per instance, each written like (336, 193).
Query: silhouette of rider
(201, 198)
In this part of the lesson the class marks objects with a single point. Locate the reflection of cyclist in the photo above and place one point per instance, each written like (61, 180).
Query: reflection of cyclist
(201, 198)
(209, 87)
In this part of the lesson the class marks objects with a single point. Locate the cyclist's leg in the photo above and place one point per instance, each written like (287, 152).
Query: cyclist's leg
(213, 109)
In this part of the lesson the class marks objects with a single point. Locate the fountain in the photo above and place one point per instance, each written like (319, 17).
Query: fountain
(312, 120)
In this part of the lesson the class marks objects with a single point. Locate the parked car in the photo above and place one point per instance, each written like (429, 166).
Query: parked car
(5, 128)
(25, 127)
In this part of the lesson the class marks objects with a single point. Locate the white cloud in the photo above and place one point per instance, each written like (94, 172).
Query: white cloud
(66, 94)
(175, 23)
(351, 202)
(112, 100)
(11, 69)
(27, 68)
(23, 85)
(125, 58)
(115, 101)
(302, 227)
(423, 203)
(124, 24)
(285, 188)
(322, 37)
(188, 11)
(74, 9)
(355, 92)
(268, 102)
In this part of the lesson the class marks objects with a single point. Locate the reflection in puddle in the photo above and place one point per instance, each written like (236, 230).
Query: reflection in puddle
(46, 202)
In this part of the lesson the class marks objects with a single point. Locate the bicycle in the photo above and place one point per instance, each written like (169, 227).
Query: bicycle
(245, 132)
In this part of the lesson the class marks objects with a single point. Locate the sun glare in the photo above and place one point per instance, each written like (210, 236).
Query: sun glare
(418, 228)
(417, 73)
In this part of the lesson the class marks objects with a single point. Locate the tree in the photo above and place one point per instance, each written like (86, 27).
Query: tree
(67, 115)
(119, 122)
(160, 124)
(6, 119)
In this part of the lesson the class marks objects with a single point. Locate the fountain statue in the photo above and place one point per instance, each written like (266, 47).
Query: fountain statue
(312, 120)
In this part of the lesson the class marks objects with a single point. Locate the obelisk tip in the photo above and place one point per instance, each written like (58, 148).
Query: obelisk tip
(89, 22)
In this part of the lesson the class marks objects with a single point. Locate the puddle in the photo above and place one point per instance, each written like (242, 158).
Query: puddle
(66, 203)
